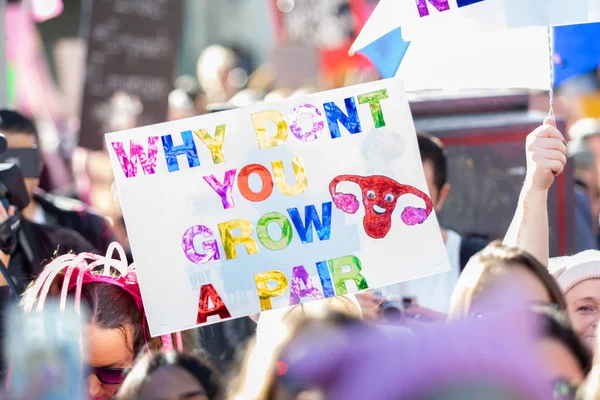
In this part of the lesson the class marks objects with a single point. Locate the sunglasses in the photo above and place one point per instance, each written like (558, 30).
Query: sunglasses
(563, 390)
(108, 376)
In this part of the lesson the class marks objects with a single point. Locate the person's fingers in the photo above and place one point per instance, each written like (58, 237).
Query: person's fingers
(556, 166)
(550, 121)
(552, 155)
(548, 131)
(3, 212)
(550, 144)
(12, 210)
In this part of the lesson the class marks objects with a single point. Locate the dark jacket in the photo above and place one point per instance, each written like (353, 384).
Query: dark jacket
(584, 222)
(469, 246)
(38, 245)
(73, 214)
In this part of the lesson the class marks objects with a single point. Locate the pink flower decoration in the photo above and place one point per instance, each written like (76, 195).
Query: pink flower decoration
(346, 202)
(413, 216)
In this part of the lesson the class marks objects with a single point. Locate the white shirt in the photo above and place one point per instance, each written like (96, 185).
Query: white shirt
(39, 217)
(434, 291)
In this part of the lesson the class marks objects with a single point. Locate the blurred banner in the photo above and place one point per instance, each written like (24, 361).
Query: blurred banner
(329, 26)
(513, 58)
(576, 51)
(130, 67)
(31, 89)
(440, 18)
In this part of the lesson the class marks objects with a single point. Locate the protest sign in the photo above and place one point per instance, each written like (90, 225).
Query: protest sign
(132, 52)
(421, 19)
(238, 212)
(512, 58)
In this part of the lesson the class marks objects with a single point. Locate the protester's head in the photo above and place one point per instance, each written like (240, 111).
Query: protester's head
(499, 265)
(20, 132)
(565, 358)
(435, 166)
(462, 360)
(584, 161)
(218, 73)
(269, 321)
(258, 374)
(172, 375)
(115, 334)
(579, 279)
(181, 105)
(587, 130)
(116, 330)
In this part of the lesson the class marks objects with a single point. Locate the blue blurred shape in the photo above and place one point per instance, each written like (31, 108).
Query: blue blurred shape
(576, 51)
(387, 52)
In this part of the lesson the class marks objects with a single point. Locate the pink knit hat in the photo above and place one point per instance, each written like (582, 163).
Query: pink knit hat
(571, 270)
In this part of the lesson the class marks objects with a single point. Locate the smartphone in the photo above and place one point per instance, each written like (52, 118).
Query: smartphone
(44, 354)
(27, 159)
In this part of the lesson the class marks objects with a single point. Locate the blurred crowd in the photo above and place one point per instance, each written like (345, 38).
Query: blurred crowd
(506, 322)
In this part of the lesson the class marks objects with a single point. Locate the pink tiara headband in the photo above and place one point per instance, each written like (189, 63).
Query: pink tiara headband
(85, 267)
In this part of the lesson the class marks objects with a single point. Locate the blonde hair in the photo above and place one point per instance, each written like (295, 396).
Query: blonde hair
(485, 267)
(257, 377)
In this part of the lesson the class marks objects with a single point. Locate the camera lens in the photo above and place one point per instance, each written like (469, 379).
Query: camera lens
(391, 313)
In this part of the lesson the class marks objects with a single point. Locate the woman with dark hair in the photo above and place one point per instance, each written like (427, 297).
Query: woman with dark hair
(117, 329)
(498, 264)
(172, 375)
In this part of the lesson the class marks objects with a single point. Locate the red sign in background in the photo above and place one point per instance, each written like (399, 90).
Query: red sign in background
(329, 25)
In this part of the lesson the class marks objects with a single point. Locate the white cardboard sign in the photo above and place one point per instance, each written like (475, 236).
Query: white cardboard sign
(238, 212)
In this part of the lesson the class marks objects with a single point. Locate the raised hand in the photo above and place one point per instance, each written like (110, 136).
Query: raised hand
(546, 156)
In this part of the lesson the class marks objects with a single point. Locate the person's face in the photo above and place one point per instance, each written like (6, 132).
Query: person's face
(23, 140)
(583, 302)
(559, 363)
(107, 348)
(438, 196)
(172, 383)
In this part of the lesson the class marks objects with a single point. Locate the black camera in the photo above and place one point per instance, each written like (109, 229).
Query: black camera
(13, 192)
(12, 183)
(392, 311)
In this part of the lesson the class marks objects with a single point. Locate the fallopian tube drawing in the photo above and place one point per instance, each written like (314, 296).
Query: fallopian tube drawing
(380, 195)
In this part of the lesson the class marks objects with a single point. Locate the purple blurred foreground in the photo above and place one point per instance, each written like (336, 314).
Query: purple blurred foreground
(491, 353)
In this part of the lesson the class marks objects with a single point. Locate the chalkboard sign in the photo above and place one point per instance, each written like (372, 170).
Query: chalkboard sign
(132, 51)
